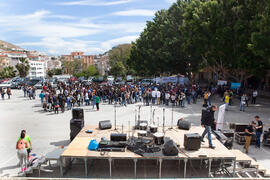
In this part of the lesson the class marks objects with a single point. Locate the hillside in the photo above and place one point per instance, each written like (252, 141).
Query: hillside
(7, 46)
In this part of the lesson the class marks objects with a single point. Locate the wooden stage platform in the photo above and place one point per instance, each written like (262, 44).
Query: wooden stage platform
(78, 149)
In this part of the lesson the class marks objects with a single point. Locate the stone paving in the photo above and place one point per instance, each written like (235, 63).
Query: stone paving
(49, 131)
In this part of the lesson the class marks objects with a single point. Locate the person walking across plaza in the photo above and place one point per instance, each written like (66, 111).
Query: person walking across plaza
(259, 130)
(9, 92)
(207, 122)
(243, 102)
(254, 96)
(227, 101)
(97, 99)
(248, 135)
(21, 147)
(28, 140)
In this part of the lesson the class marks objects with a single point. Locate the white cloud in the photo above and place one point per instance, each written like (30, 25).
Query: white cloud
(113, 42)
(94, 2)
(135, 12)
(58, 37)
(59, 46)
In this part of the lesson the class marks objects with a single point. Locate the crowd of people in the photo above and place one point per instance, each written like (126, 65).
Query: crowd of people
(68, 95)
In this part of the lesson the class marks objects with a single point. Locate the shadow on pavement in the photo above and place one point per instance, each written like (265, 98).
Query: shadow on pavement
(60, 143)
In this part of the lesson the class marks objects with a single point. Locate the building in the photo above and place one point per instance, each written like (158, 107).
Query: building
(54, 63)
(102, 63)
(4, 61)
(37, 69)
(87, 60)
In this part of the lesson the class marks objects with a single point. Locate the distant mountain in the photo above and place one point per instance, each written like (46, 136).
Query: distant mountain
(8, 46)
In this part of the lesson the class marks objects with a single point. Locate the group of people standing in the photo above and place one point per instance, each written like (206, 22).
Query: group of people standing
(4, 91)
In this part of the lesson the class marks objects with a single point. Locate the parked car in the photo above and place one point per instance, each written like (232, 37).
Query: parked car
(6, 84)
(130, 78)
(38, 85)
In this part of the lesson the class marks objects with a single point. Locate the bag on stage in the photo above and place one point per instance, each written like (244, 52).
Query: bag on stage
(93, 145)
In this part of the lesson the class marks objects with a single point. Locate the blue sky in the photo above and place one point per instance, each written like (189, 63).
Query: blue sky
(60, 26)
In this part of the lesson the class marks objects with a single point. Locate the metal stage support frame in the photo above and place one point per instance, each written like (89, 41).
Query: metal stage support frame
(159, 160)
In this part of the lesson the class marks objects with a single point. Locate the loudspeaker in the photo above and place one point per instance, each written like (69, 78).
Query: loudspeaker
(118, 137)
(192, 141)
(76, 126)
(170, 148)
(228, 133)
(77, 113)
(105, 124)
(183, 124)
(240, 127)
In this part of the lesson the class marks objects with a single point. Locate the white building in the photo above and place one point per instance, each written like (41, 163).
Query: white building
(37, 69)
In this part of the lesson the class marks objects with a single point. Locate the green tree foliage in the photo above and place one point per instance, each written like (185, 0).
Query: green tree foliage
(52, 72)
(7, 72)
(230, 37)
(118, 60)
(90, 71)
(23, 67)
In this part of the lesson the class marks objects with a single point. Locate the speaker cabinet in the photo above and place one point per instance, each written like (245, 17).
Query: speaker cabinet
(183, 124)
(105, 124)
(192, 141)
(170, 148)
(118, 137)
(77, 113)
(76, 126)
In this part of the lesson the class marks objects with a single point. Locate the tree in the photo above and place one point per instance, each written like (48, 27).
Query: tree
(23, 67)
(90, 71)
(7, 72)
(118, 60)
(229, 37)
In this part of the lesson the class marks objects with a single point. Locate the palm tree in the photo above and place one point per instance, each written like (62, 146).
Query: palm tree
(23, 67)
(8, 72)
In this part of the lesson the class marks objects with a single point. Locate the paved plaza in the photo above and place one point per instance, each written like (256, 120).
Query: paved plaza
(48, 131)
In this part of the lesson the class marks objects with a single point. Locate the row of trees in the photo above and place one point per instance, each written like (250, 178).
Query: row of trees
(230, 37)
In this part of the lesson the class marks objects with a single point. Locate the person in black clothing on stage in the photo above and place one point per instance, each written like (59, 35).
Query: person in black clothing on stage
(259, 130)
(207, 121)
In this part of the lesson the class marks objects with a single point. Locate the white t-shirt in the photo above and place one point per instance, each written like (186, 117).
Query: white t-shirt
(154, 93)
(255, 93)
(158, 94)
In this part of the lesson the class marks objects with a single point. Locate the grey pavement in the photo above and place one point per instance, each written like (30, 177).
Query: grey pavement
(48, 131)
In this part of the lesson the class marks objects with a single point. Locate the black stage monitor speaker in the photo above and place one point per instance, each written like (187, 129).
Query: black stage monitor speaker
(192, 141)
(77, 113)
(170, 148)
(76, 126)
(118, 137)
(228, 133)
(183, 124)
(105, 124)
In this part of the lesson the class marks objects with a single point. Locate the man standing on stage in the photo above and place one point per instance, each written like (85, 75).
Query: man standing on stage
(259, 130)
(208, 119)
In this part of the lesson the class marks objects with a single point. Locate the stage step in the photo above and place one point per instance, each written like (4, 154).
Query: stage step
(242, 157)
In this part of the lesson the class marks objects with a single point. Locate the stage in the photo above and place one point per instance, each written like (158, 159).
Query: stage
(78, 149)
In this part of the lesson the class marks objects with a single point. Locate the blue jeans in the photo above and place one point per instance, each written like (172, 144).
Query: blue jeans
(258, 139)
(242, 107)
(188, 99)
(208, 131)
(227, 106)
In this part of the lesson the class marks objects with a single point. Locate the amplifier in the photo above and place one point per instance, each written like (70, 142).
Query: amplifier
(118, 137)
(77, 113)
(228, 133)
(183, 124)
(105, 124)
(192, 141)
